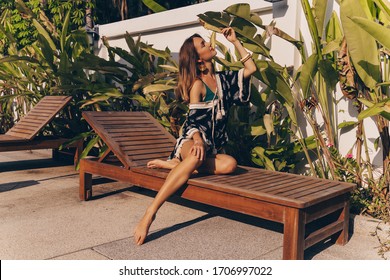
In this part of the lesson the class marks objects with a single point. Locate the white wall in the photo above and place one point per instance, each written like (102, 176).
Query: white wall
(171, 28)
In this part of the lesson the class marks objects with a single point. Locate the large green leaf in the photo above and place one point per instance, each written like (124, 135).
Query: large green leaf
(155, 52)
(329, 74)
(380, 108)
(362, 47)
(15, 58)
(319, 7)
(64, 31)
(312, 25)
(333, 30)
(169, 68)
(291, 112)
(47, 52)
(272, 78)
(41, 30)
(158, 88)
(384, 7)
(376, 30)
(268, 123)
(92, 62)
(244, 29)
(307, 74)
(272, 30)
(240, 10)
(154, 6)
(257, 128)
(259, 154)
(243, 11)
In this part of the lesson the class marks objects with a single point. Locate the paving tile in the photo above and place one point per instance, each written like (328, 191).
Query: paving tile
(88, 254)
(207, 237)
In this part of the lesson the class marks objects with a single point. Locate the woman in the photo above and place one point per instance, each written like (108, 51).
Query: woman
(209, 95)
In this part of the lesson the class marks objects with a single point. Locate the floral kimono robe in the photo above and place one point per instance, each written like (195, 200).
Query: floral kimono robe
(210, 118)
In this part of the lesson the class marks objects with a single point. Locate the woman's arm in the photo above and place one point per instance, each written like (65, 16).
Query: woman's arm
(249, 65)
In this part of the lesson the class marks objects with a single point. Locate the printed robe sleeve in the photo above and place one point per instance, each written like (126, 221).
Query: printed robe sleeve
(236, 87)
(192, 123)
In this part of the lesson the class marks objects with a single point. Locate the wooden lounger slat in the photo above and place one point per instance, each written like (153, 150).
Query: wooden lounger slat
(274, 184)
(25, 128)
(152, 141)
(42, 111)
(22, 136)
(4, 138)
(317, 188)
(135, 134)
(314, 196)
(151, 156)
(155, 151)
(146, 143)
(304, 189)
(285, 186)
(127, 122)
(30, 121)
(132, 130)
(274, 189)
(130, 126)
(122, 118)
(267, 182)
(120, 115)
(39, 117)
(156, 147)
(290, 199)
(143, 162)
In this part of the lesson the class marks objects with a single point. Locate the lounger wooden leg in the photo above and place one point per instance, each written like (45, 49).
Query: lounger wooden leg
(79, 150)
(344, 216)
(85, 188)
(294, 234)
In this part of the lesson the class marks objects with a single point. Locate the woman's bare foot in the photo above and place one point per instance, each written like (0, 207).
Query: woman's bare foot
(167, 164)
(142, 229)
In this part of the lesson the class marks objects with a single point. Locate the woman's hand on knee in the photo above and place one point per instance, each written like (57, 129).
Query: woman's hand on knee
(198, 150)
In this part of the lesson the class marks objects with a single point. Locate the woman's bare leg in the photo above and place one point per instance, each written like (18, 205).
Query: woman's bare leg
(219, 164)
(167, 164)
(176, 178)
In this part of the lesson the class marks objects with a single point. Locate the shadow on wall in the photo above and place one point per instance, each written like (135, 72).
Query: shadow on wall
(281, 9)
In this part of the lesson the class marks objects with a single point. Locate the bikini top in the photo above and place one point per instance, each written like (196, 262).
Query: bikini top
(210, 95)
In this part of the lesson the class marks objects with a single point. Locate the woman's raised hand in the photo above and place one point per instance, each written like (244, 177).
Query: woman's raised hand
(229, 34)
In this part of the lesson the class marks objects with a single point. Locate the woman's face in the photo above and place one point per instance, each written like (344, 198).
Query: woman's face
(204, 49)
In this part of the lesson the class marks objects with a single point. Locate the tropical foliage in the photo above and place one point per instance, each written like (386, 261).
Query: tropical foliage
(363, 77)
(19, 30)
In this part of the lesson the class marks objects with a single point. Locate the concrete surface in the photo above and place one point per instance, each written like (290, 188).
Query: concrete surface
(43, 218)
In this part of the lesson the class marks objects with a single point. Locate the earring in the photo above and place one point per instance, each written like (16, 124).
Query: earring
(201, 66)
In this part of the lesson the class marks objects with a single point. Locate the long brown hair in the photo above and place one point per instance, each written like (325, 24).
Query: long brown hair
(188, 70)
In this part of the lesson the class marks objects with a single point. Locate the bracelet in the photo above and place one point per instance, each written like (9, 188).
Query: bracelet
(246, 58)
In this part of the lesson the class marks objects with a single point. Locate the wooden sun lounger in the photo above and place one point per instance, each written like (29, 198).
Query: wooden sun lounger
(22, 136)
(310, 209)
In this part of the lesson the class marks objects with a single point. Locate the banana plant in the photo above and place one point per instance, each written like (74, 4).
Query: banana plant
(367, 36)
(271, 140)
